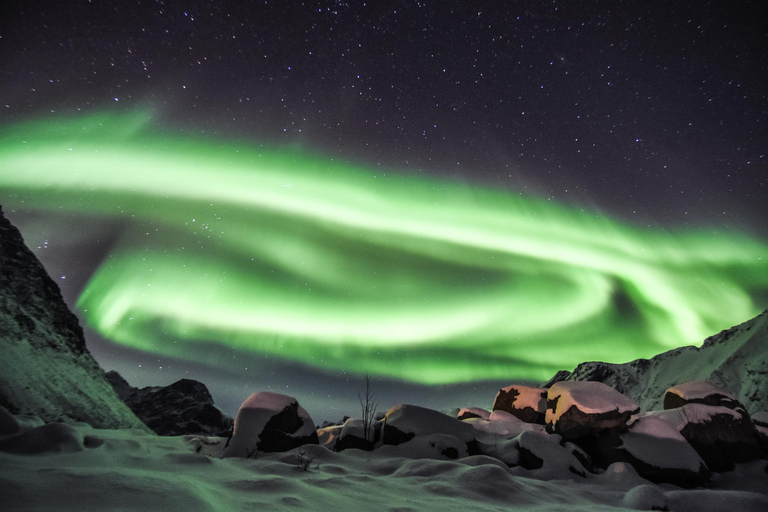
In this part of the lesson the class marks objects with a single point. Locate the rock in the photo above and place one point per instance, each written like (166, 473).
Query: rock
(545, 453)
(352, 435)
(47, 371)
(722, 436)
(270, 422)
(328, 436)
(699, 392)
(472, 412)
(182, 408)
(527, 403)
(655, 449)
(577, 409)
(735, 359)
(403, 422)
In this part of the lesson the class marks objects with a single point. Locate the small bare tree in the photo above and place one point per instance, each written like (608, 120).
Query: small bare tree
(368, 408)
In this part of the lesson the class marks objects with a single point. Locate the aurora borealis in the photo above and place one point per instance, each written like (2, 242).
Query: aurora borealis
(282, 196)
(424, 280)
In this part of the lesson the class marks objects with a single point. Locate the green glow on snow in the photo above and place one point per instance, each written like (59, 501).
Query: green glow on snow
(307, 259)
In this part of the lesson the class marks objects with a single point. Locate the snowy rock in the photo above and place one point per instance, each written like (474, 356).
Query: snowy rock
(656, 450)
(735, 359)
(353, 435)
(328, 436)
(545, 453)
(182, 408)
(431, 446)
(403, 422)
(47, 369)
(49, 438)
(645, 497)
(270, 422)
(504, 416)
(497, 436)
(473, 412)
(760, 419)
(722, 436)
(527, 403)
(699, 392)
(576, 409)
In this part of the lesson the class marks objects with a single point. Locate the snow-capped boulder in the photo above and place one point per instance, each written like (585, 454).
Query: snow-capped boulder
(656, 450)
(270, 422)
(505, 417)
(544, 454)
(403, 422)
(353, 435)
(430, 446)
(576, 409)
(328, 436)
(722, 436)
(527, 403)
(472, 412)
(699, 392)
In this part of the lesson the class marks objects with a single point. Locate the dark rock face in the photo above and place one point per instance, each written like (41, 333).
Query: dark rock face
(184, 407)
(47, 369)
(277, 435)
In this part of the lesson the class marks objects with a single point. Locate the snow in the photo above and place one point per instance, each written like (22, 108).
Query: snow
(528, 397)
(693, 413)
(133, 470)
(589, 397)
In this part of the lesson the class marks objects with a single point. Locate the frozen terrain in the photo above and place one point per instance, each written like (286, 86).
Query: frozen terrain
(133, 470)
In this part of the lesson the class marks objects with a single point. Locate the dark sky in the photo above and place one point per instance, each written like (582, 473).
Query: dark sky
(654, 113)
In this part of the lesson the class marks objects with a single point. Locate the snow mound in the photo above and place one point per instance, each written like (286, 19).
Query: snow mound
(49, 438)
(645, 497)
(473, 412)
(412, 420)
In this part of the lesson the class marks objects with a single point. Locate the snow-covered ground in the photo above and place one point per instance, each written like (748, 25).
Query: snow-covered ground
(133, 470)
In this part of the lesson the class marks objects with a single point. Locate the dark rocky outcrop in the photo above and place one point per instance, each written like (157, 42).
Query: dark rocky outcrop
(184, 407)
(47, 370)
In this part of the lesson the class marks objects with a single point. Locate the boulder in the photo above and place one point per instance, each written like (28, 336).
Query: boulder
(404, 422)
(645, 497)
(544, 453)
(655, 449)
(722, 436)
(497, 436)
(352, 435)
(183, 408)
(699, 392)
(527, 403)
(270, 422)
(328, 436)
(577, 409)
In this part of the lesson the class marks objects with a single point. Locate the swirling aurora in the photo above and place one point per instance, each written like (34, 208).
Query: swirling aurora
(341, 268)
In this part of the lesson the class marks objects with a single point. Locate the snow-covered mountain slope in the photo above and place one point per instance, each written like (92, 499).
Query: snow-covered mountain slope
(46, 369)
(735, 360)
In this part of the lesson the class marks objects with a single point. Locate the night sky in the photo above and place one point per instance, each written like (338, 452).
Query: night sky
(448, 195)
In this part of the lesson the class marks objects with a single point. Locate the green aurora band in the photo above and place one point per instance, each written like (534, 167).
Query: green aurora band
(301, 258)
